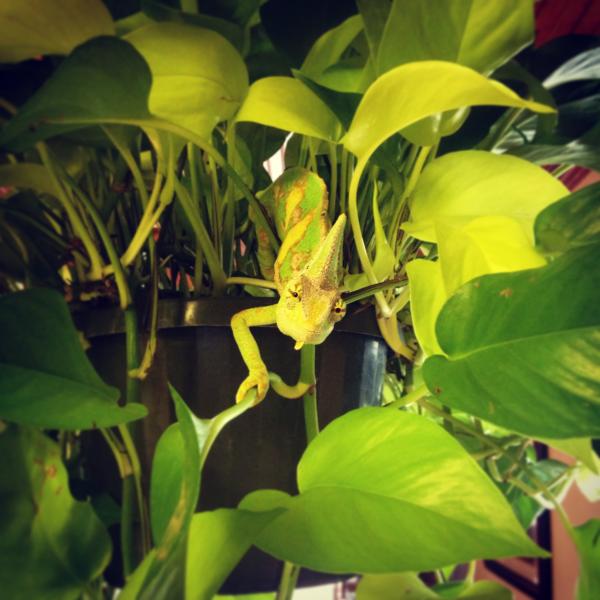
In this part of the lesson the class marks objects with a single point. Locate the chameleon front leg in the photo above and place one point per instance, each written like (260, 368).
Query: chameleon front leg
(258, 377)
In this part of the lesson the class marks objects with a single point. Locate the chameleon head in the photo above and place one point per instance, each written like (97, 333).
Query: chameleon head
(311, 302)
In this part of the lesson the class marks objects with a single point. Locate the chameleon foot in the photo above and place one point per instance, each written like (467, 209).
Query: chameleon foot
(258, 379)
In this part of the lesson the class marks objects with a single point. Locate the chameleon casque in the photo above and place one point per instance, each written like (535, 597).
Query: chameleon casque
(307, 272)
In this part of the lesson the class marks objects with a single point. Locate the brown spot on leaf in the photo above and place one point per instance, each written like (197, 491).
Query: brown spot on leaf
(58, 490)
(477, 284)
(51, 471)
(437, 391)
(491, 408)
(506, 293)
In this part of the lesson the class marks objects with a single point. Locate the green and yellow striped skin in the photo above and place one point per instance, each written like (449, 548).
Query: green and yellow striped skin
(307, 271)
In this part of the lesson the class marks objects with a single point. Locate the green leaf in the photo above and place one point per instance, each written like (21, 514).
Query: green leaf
(483, 245)
(579, 68)
(51, 546)
(162, 575)
(524, 348)
(385, 259)
(46, 379)
(41, 27)
(288, 104)
(217, 542)
(198, 78)
(579, 448)
(391, 102)
(25, 176)
(328, 49)
(159, 11)
(456, 31)
(588, 546)
(375, 15)
(575, 153)
(427, 297)
(408, 586)
(572, 222)
(397, 586)
(460, 186)
(166, 479)
(371, 483)
(478, 590)
(117, 84)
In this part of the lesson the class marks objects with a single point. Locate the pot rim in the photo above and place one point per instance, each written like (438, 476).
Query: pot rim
(175, 313)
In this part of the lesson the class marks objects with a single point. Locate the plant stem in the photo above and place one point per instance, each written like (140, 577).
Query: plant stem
(96, 264)
(307, 375)
(408, 190)
(411, 397)
(333, 165)
(287, 584)
(264, 283)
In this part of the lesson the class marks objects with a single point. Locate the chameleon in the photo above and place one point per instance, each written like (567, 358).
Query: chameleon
(307, 271)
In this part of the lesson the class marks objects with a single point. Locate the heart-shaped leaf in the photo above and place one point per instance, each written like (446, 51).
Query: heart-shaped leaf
(288, 104)
(41, 27)
(371, 483)
(457, 187)
(198, 78)
(523, 348)
(572, 222)
(178, 464)
(117, 84)
(51, 546)
(217, 542)
(456, 31)
(413, 91)
(46, 380)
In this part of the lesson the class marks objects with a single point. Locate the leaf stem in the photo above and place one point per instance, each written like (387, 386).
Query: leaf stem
(287, 583)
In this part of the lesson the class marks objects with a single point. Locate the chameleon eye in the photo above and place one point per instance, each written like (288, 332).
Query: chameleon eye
(339, 310)
(294, 291)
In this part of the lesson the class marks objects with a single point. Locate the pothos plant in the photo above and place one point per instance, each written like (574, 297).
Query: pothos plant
(132, 167)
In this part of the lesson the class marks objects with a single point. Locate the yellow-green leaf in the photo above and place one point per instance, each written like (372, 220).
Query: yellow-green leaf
(410, 92)
(198, 78)
(33, 27)
(460, 186)
(288, 104)
(427, 296)
(488, 244)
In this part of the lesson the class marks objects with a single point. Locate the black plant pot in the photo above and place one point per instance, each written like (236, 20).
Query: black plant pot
(196, 353)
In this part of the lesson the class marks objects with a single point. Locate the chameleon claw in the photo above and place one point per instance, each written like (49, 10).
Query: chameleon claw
(258, 380)
(298, 345)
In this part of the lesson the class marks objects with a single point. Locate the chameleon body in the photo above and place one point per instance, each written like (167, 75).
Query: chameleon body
(307, 272)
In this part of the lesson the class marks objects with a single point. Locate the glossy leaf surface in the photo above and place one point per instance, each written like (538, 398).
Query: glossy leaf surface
(198, 78)
(370, 484)
(51, 546)
(523, 349)
(117, 84)
(288, 104)
(162, 574)
(456, 31)
(413, 91)
(572, 222)
(51, 385)
(460, 186)
(38, 27)
(489, 244)
(218, 540)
